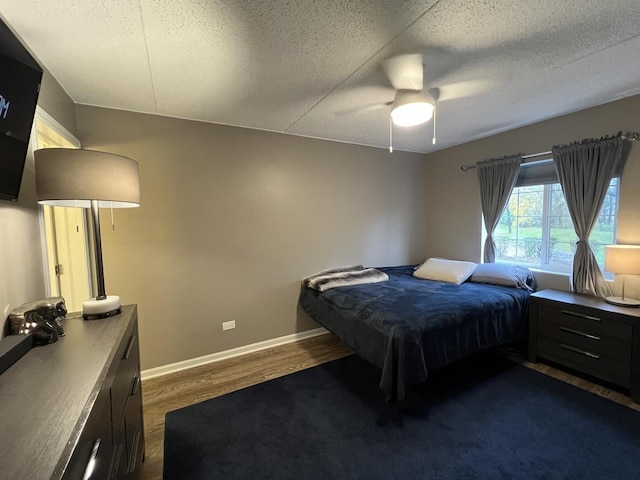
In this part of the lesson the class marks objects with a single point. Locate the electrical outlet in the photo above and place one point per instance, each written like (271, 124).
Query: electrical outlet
(228, 325)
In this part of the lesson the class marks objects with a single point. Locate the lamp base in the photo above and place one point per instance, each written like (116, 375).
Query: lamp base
(95, 309)
(623, 302)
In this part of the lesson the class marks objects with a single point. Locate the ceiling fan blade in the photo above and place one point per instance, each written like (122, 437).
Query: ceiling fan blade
(404, 71)
(362, 109)
(467, 88)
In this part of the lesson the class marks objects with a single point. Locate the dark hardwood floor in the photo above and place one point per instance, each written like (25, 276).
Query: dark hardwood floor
(177, 390)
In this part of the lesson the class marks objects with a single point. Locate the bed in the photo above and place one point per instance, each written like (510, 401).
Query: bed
(409, 326)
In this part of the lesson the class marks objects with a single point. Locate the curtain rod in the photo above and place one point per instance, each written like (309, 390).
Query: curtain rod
(631, 136)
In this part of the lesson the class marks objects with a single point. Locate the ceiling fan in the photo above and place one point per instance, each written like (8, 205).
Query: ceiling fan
(412, 104)
(416, 97)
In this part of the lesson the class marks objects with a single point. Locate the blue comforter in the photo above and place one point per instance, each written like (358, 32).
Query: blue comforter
(409, 326)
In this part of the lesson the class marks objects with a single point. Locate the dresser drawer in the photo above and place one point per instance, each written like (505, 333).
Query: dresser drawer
(92, 458)
(133, 429)
(127, 375)
(585, 360)
(587, 321)
(585, 339)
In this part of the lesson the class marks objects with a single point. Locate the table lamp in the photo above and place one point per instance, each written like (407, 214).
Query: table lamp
(68, 177)
(623, 260)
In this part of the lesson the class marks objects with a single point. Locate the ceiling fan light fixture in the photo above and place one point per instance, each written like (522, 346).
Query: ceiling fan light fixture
(411, 108)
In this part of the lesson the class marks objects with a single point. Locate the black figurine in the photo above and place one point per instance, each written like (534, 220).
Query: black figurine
(42, 318)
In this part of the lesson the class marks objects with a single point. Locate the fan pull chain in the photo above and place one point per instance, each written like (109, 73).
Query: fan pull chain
(390, 135)
(113, 226)
(75, 211)
(434, 123)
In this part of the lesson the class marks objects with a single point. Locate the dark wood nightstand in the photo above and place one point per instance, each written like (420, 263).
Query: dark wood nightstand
(588, 335)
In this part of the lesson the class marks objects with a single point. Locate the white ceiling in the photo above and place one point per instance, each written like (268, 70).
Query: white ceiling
(314, 67)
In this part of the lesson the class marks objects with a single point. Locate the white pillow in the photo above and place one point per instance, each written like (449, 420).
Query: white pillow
(450, 271)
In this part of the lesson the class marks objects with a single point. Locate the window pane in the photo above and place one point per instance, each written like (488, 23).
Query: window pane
(561, 249)
(536, 229)
(559, 212)
(529, 250)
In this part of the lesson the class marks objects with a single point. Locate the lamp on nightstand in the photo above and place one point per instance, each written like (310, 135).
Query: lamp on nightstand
(68, 177)
(623, 260)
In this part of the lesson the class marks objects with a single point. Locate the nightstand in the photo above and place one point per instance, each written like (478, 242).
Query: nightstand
(588, 335)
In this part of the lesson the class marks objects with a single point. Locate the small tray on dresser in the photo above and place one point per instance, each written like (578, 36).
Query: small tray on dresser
(13, 347)
(588, 335)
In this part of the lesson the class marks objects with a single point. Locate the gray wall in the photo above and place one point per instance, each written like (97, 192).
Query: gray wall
(21, 267)
(453, 212)
(233, 218)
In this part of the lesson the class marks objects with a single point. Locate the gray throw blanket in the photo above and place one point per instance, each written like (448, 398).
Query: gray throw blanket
(344, 276)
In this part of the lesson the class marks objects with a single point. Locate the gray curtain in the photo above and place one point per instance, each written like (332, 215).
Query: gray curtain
(584, 171)
(497, 178)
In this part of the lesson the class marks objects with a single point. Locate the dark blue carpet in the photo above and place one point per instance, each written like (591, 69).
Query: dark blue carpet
(483, 418)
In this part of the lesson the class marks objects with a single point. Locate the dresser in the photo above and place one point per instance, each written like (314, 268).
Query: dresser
(73, 409)
(588, 335)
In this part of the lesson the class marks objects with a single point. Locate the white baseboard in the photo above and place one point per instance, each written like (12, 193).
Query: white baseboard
(234, 352)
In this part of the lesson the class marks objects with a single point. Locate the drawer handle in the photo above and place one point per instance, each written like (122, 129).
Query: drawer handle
(133, 453)
(580, 351)
(115, 463)
(580, 315)
(134, 385)
(91, 465)
(578, 332)
(129, 347)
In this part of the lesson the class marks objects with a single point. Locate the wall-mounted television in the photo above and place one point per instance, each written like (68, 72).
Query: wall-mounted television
(20, 77)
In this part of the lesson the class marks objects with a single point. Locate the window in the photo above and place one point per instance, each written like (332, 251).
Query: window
(535, 228)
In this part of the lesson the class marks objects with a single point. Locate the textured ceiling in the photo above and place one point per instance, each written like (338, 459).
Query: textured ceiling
(314, 67)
